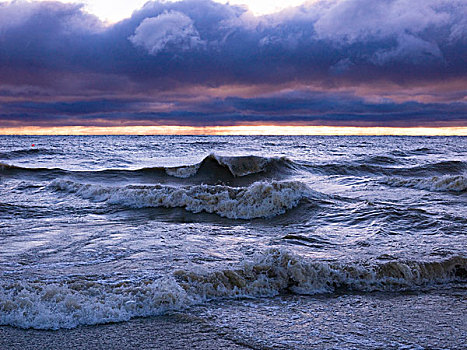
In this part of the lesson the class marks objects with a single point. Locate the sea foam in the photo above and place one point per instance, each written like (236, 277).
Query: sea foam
(87, 301)
(70, 303)
(259, 200)
(278, 270)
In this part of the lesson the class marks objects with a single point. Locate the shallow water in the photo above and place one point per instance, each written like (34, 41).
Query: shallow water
(107, 228)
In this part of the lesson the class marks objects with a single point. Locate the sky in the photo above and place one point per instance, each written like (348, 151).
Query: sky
(208, 65)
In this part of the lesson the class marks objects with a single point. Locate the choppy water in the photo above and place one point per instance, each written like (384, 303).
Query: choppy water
(102, 229)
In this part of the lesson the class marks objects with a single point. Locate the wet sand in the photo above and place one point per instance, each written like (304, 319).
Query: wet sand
(165, 332)
(371, 321)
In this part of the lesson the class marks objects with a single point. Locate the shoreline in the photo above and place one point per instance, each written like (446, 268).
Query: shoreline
(407, 320)
(176, 331)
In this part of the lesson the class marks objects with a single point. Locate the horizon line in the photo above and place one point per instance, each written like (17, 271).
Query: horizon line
(240, 130)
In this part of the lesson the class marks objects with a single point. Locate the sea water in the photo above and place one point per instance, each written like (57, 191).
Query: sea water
(294, 242)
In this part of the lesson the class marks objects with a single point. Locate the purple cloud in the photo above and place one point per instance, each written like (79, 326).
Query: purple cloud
(167, 53)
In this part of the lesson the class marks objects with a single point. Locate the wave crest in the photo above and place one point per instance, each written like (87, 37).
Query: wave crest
(21, 153)
(86, 301)
(277, 270)
(14, 170)
(379, 167)
(445, 183)
(259, 200)
(237, 166)
(68, 304)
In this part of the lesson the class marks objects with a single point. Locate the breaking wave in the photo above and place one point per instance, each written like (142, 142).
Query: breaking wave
(215, 169)
(86, 301)
(277, 271)
(74, 302)
(259, 200)
(237, 166)
(445, 183)
(212, 169)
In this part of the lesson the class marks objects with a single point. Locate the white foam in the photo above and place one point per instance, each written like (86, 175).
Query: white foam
(183, 172)
(277, 270)
(54, 305)
(87, 301)
(261, 199)
(447, 183)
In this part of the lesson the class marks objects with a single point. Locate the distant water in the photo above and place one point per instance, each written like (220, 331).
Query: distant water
(104, 229)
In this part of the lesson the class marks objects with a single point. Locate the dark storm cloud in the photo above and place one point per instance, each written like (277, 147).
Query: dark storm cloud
(291, 108)
(53, 49)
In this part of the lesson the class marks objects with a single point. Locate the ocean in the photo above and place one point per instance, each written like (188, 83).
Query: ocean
(291, 242)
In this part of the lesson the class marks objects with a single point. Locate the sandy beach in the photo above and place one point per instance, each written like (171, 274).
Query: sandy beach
(348, 321)
(165, 332)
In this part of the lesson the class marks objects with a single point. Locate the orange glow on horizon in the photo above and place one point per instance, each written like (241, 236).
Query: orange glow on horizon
(235, 130)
